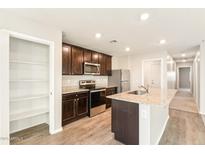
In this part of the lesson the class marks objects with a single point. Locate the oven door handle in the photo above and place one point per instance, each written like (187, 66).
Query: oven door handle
(93, 91)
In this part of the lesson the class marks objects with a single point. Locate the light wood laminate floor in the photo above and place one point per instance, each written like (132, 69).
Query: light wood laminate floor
(184, 101)
(182, 128)
(95, 130)
(185, 125)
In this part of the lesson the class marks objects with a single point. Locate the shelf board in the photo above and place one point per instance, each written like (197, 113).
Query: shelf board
(28, 98)
(27, 114)
(27, 62)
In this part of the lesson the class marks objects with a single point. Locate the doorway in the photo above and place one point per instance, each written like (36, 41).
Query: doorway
(184, 79)
(28, 82)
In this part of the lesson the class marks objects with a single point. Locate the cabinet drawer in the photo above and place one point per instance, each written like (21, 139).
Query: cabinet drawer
(74, 95)
(82, 94)
(110, 91)
(68, 96)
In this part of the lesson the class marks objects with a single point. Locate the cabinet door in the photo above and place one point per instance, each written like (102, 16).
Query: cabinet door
(109, 65)
(87, 56)
(125, 121)
(102, 62)
(110, 91)
(66, 59)
(77, 61)
(82, 106)
(68, 111)
(95, 57)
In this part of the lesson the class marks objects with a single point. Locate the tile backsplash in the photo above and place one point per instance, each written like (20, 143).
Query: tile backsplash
(73, 80)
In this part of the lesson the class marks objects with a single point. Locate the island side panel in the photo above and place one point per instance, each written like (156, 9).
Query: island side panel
(125, 122)
(144, 124)
(159, 116)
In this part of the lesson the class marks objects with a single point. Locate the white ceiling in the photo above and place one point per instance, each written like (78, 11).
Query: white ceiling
(182, 28)
(189, 54)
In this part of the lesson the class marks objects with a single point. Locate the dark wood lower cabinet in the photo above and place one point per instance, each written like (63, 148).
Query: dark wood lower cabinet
(110, 91)
(74, 107)
(125, 122)
(68, 110)
(82, 106)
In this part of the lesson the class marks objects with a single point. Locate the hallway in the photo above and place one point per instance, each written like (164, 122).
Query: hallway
(184, 101)
(185, 125)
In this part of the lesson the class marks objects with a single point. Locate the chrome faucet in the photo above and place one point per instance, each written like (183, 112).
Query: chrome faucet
(146, 89)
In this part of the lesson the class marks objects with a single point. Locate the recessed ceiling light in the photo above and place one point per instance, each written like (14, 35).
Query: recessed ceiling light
(98, 35)
(183, 55)
(162, 41)
(144, 16)
(171, 62)
(127, 49)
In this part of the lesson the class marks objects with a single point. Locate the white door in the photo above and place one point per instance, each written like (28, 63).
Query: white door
(155, 75)
(152, 74)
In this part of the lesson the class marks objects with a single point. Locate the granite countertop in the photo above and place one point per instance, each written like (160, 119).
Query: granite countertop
(68, 89)
(111, 86)
(153, 98)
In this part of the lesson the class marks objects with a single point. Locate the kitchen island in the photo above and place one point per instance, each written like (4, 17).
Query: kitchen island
(140, 118)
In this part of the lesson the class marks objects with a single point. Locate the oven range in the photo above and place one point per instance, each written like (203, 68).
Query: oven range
(97, 96)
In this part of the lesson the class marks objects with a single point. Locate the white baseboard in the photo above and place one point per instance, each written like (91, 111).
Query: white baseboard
(56, 131)
(203, 117)
(4, 142)
(160, 136)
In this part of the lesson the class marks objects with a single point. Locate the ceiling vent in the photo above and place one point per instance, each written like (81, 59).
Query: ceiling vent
(113, 41)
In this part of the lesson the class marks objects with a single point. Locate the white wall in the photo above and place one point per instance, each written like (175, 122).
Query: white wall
(202, 75)
(196, 80)
(4, 90)
(171, 74)
(26, 26)
(120, 62)
(135, 65)
(73, 80)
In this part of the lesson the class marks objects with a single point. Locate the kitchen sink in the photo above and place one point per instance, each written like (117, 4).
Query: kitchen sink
(137, 92)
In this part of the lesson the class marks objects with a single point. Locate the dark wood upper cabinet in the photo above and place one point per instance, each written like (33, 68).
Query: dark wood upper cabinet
(102, 62)
(66, 59)
(77, 61)
(73, 58)
(108, 65)
(95, 57)
(87, 56)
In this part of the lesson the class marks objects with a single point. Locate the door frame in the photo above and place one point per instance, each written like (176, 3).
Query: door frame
(5, 107)
(161, 69)
(190, 78)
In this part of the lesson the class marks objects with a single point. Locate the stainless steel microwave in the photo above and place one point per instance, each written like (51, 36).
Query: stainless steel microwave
(91, 68)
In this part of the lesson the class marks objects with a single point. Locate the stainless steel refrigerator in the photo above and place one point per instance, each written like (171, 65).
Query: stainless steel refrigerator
(121, 79)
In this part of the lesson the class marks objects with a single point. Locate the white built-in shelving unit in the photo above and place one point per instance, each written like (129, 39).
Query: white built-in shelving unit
(29, 84)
